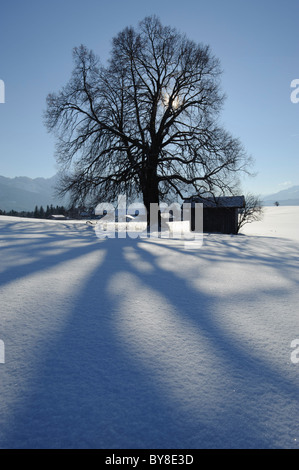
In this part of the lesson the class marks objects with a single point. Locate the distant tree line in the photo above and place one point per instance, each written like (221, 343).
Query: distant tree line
(44, 213)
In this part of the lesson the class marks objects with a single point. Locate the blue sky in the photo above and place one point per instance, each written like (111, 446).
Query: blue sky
(257, 43)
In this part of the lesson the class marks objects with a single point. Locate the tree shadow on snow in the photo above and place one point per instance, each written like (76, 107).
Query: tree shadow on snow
(143, 362)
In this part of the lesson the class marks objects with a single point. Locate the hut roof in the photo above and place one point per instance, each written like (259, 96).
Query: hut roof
(221, 201)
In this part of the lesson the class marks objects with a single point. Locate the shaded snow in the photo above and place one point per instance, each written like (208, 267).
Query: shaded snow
(141, 344)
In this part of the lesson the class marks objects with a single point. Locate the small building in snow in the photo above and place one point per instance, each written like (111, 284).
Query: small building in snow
(57, 217)
(220, 214)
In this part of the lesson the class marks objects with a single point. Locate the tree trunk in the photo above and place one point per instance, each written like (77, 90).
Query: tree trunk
(150, 191)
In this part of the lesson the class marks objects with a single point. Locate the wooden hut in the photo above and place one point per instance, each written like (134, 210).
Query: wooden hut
(57, 217)
(220, 214)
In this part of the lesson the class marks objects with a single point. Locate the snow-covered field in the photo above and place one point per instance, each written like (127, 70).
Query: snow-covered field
(141, 344)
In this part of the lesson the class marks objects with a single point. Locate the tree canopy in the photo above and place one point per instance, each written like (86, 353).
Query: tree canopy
(146, 123)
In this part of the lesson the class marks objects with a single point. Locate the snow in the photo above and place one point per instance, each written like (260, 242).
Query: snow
(281, 222)
(141, 344)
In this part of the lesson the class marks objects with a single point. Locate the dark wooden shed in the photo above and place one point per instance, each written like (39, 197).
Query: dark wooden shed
(219, 214)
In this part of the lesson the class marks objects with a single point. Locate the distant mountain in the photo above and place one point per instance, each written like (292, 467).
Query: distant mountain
(23, 194)
(286, 197)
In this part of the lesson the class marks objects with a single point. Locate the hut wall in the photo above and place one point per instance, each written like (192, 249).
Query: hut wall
(218, 219)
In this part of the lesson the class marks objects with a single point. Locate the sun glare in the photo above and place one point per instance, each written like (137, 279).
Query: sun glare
(166, 99)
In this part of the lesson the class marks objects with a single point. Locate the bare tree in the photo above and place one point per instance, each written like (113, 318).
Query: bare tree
(252, 211)
(146, 123)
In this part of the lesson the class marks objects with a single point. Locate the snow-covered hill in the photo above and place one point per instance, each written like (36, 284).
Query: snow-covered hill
(280, 222)
(127, 344)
